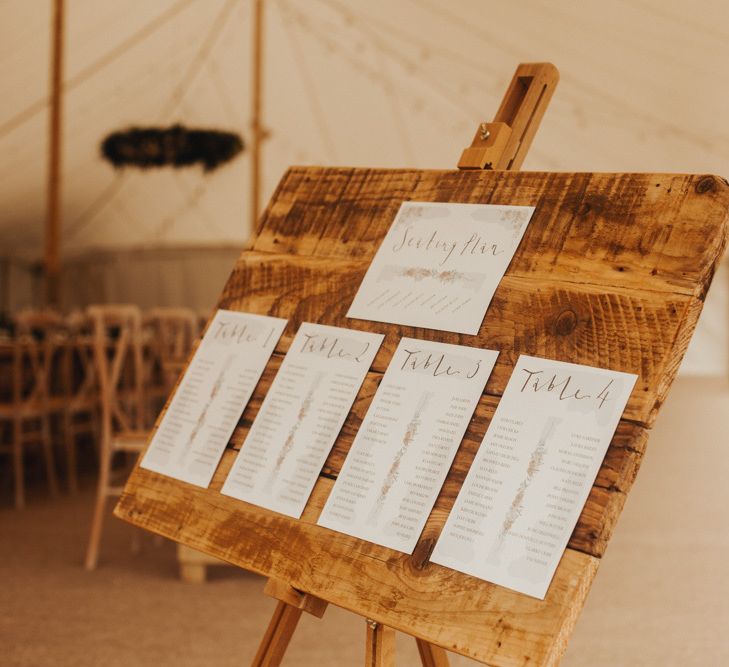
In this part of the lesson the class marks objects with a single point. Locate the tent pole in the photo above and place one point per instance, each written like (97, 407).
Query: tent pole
(52, 264)
(257, 131)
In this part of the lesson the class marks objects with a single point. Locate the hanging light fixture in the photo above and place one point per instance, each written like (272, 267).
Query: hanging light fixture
(174, 146)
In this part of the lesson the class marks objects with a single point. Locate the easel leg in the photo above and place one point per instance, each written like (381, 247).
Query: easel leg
(277, 637)
(430, 655)
(380, 648)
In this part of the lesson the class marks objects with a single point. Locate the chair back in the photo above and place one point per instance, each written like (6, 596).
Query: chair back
(175, 331)
(203, 317)
(39, 337)
(116, 332)
(40, 324)
(81, 383)
(172, 332)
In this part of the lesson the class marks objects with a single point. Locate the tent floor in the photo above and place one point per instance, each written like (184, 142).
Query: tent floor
(659, 598)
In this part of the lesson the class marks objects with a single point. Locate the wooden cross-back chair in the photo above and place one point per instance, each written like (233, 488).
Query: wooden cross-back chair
(39, 322)
(70, 375)
(116, 334)
(81, 389)
(172, 334)
(29, 400)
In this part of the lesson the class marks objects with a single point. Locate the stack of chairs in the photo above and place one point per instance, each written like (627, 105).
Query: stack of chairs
(28, 396)
(104, 372)
(171, 333)
(127, 362)
(81, 391)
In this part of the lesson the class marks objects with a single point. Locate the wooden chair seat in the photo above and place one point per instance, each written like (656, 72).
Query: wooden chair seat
(130, 441)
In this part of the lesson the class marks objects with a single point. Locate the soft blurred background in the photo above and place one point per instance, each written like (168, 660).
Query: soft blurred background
(386, 83)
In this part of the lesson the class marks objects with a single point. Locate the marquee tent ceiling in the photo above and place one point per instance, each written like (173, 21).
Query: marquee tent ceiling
(377, 83)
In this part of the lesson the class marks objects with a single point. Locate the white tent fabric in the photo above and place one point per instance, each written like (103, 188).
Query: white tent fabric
(377, 83)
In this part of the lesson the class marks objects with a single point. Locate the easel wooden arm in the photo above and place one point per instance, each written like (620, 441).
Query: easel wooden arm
(501, 144)
(292, 603)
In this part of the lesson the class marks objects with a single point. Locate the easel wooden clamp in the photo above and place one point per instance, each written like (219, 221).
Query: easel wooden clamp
(501, 144)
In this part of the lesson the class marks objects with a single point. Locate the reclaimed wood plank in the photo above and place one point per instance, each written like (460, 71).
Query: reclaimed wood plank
(623, 330)
(599, 515)
(484, 621)
(642, 231)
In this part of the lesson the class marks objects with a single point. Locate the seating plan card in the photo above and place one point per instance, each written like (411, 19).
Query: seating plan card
(406, 443)
(440, 264)
(532, 473)
(300, 417)
(211, 396)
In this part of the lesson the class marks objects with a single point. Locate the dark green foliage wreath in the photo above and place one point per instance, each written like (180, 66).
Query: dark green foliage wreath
(176, 146)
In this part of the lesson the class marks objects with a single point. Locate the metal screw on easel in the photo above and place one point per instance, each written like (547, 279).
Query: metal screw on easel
(484, 132)
(372, 624)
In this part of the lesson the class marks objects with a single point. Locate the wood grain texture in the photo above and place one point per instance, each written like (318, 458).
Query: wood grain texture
(612, 272)
(625, 330)
(661, 232)
(453, 610)
(605, 501)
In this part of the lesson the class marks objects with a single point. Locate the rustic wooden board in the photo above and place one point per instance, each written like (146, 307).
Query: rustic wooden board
(645, 231)
(612, 272)
(603, 505)
(623, 329)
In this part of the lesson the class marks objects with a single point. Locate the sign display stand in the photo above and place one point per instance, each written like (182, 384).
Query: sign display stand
(612, 272)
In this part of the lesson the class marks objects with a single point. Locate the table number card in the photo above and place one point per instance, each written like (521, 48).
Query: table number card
(407, 441)
(301, 417)
(533, 471)
(211, 396)
(440, 264)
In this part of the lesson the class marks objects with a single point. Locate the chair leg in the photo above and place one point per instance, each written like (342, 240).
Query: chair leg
(96, 432)
(193, 573)
(136, 541)
(48, 454)
(92, 552)
(137, 533)
(18, 469)
(69, 441)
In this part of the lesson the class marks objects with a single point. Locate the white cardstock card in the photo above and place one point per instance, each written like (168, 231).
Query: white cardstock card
(440, 264)
(402, 452)
(211, 396)
(533, 471)
(301, 416)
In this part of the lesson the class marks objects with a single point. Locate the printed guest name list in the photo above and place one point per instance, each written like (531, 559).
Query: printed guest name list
(533, 471)
(403, 450)
(211, 396)
(300, 417)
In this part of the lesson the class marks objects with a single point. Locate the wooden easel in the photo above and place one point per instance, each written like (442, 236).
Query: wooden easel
(612, 272)
(501, 144)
